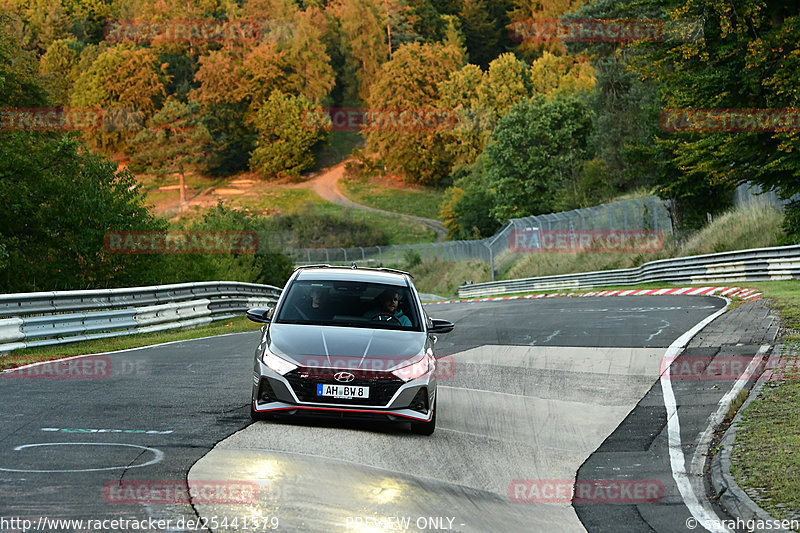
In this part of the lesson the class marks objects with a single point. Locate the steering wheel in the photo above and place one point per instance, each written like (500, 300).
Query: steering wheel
(386, 317)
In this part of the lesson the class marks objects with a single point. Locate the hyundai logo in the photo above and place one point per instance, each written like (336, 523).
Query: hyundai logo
(344, 377)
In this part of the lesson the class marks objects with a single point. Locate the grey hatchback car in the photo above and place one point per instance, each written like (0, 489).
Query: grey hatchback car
(347, 343)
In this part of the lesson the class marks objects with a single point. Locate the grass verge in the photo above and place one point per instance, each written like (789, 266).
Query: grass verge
(767, 445)
(753, 226)
(47, 353)
(398, 230)
(417, 201)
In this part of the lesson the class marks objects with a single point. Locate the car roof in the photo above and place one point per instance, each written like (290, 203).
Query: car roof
(372, 275)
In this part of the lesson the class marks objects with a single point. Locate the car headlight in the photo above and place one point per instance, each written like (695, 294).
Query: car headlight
(279, 365)
(416, 370)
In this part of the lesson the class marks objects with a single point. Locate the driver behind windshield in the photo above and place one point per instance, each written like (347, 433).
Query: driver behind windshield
(388, 309)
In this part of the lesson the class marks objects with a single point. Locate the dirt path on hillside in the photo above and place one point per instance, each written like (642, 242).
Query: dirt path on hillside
(327, 186)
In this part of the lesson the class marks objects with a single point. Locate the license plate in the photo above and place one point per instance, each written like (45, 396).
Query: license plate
(342, 391)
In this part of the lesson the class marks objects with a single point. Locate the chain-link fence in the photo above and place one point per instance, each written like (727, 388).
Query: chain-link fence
(648, 214)
(749, 193)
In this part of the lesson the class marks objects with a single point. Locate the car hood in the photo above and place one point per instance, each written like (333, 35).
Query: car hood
(343, 347)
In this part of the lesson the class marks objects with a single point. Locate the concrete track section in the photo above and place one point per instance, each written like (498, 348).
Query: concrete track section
(517, 418)
(700, 381)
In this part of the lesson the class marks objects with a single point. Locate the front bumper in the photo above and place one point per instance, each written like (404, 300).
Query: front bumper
(391, 399)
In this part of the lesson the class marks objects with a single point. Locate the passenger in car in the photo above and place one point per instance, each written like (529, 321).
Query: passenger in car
(318, 307)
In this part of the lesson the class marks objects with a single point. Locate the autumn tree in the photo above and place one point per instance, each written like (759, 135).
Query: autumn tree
(409, 84)
(58, 69)
(567, 74)
(458, 95)
(364, 39)
(236, 80)
(507, 82)
(526, 17)
(122, 79)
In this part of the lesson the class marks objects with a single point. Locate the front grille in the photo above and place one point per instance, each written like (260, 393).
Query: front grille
(381, 389)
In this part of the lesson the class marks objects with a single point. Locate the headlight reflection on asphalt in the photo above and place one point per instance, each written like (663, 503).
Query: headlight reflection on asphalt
(389, 490)
(271, 475)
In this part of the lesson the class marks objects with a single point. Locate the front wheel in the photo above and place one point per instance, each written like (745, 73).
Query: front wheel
(425, 428)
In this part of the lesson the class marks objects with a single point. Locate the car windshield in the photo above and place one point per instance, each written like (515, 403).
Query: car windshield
(349, 304)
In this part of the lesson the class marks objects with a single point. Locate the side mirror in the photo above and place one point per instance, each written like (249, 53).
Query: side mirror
(259, 315)
(441, 326)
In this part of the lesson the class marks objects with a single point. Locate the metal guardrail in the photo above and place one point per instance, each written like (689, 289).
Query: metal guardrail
(762, 264)
(47, 318)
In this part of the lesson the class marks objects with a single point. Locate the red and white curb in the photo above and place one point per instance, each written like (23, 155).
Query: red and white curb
(730, 292)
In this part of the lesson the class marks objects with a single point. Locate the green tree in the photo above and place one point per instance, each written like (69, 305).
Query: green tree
(482, 33)
(626, 112)
(364, 39)
(266, 265)
(408, 85)
(59, 202)
(425, 20)
(173, 140)
(747, 58)
(536, 152)
(58, 71)
(124, 79)
(290, 131)
(18, 73)
(467, 203)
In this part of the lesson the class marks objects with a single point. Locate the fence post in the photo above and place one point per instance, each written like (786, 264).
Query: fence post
(491, 259)
(654, 213)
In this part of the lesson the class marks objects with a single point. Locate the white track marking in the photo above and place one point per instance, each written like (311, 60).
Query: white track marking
(158, 456)
(700, 511)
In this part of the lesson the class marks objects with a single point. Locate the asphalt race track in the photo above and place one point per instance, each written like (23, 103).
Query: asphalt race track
(534, 393)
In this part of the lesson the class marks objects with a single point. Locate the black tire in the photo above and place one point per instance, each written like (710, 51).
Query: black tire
(425, 428)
